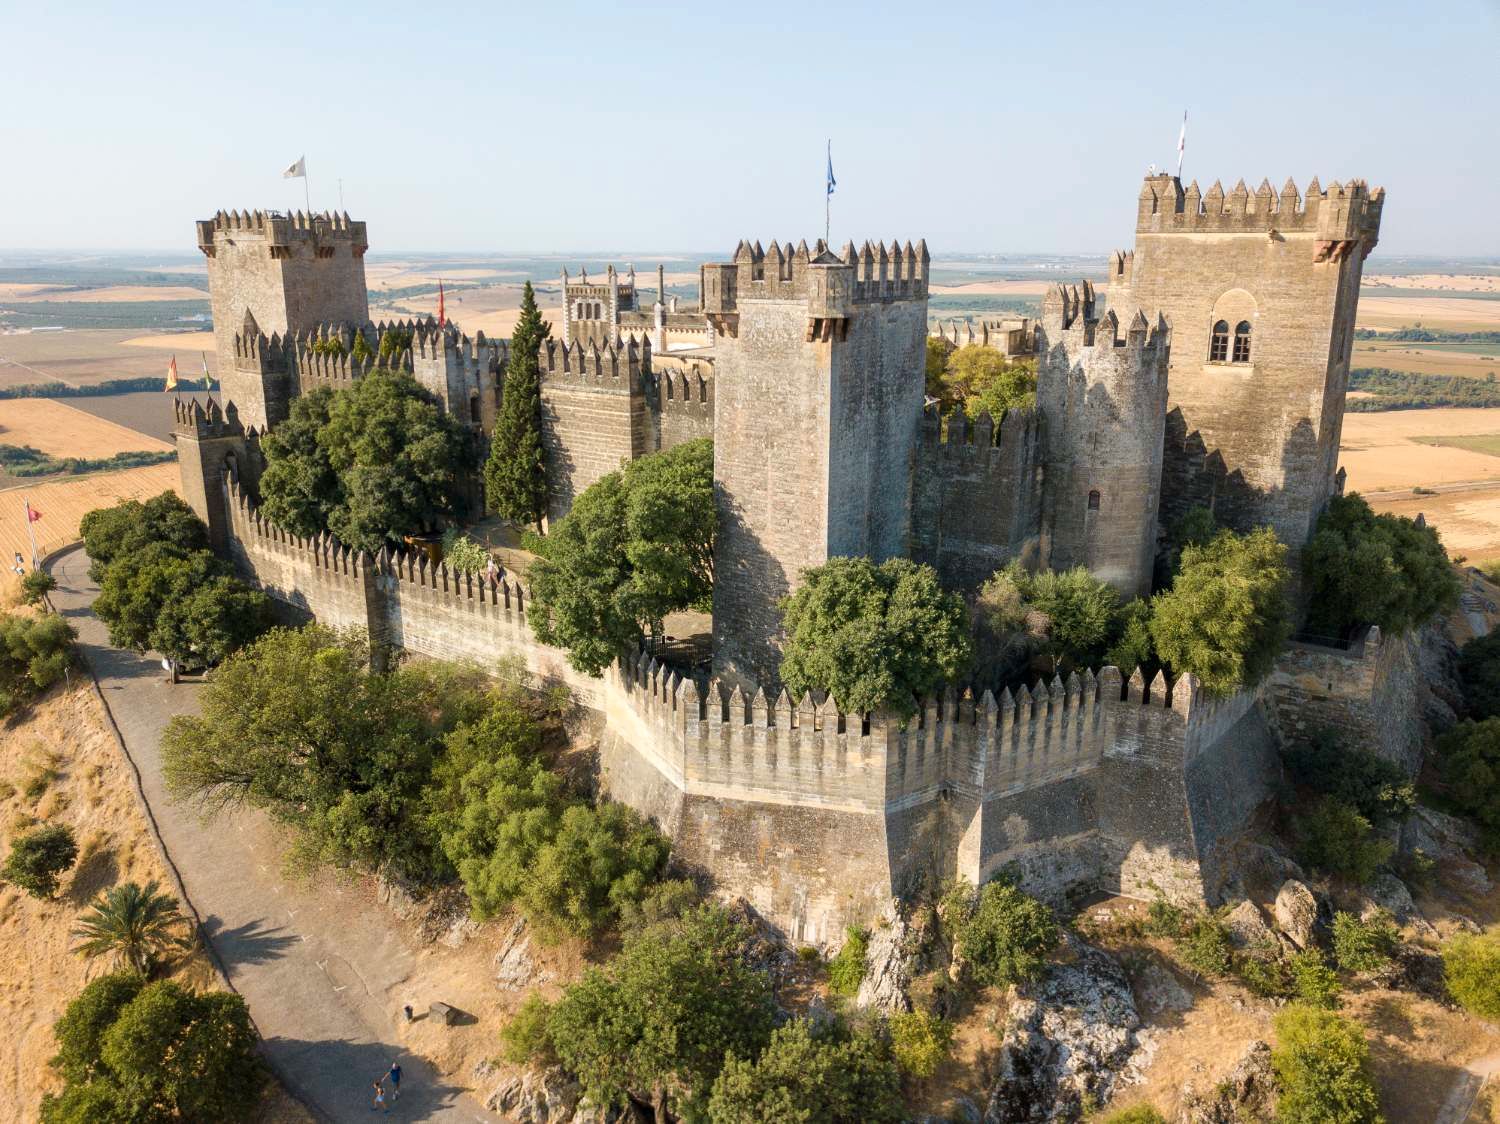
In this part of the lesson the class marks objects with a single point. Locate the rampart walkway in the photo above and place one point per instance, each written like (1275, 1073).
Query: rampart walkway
(321, 973)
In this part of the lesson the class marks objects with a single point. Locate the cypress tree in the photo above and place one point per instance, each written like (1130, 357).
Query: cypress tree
(515, 480)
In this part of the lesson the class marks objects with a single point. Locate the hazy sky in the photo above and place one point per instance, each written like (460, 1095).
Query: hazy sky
(548, 125)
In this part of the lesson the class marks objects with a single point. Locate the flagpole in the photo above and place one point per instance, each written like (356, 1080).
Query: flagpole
(30, 534)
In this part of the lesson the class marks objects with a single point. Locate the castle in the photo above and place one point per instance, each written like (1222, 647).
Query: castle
(1211, 370)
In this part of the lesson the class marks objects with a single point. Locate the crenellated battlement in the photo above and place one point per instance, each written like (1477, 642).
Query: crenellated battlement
(610, 368)
(1015, 336)
(680, 389)
(209, 421)
(1018, 429)
(283, 230)
(1068, 317)
(1342, 213)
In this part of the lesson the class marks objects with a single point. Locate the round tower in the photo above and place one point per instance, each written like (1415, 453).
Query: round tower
(1103, 398)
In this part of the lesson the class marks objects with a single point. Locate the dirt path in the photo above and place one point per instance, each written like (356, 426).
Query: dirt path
(1465, 1092)
(322, 971)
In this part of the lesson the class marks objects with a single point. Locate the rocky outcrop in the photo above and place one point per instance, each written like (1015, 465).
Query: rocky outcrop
(547, 1096)
(1068, 1041)
(1452, 844)
(887, 968)
(1246, 1095)
(1387, 894)
(763, 950)
(402, 896)
(1296, 912)
(1247, 926)
(514, 967)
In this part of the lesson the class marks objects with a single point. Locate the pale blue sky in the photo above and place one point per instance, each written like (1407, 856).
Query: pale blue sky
(983, 127)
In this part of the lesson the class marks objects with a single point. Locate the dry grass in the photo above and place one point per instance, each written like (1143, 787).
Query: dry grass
(1454, 314)
(106, 294)
(84, 357)
(1455, 282)
(64, 502)
(91, 791)
(1383, 451)
(1427, 360)
(63, 431)
(997, 288)
(182, 344)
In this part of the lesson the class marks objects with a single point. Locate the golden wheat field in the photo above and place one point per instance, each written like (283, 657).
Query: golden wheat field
(62, 431)
(63, 502)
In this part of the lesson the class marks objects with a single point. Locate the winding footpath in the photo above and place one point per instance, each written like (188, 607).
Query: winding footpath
(322, 974)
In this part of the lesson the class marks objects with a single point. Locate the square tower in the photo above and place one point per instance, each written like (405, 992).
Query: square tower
(1261, 291)
(279, 275)
(818, 373)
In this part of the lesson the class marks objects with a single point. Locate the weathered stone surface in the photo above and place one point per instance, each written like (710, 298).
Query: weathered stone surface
(887, 968)
(1466, 877)
(514, 967)
(546, 1097)
(1296, 912)
(1385, 893)
(1438, 835)
(1246, 1096)
(1247, 926)
(401, 896)
(1158, 991)
(1068, 1040)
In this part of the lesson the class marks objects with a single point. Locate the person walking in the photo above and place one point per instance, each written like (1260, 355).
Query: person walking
(394, 1073)
(380, 1105)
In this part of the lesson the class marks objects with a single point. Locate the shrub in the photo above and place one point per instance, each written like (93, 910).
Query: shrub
(872, 635)
(1266, 975)
(524, 1039)
(1469, 761)
(463, 554)
(806, 1075)
(1378, 789)
(35, 653)
(1135, 1114)
(847, 968)
(1471, 969)
(1163, 919)
(1322, 1065)
(1365, 569)
(1008, 936)
(1313, 981)
(1362, 946)
(129, 526)
(1479, 669)
(38, 857)
(920, 1042)
(36, 585)
(1333, 837)
(1204, 946)
(1072, 615)
(1226, 615)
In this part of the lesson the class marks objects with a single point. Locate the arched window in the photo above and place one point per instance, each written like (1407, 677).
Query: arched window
(598, 311)
(1094, 500)
(1218, 344)
(1242, 342)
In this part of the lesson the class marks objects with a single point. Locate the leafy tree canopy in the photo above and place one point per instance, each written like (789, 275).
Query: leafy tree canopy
(515, 477)
(808, 1077)
(1471, 969)
(34, 654)
(1226, 615)
(982, 380)
(37, 857)
(372, 463)
(659, 1021)
(1071, 614)
(1322, 1065)
(1479, 669)
(1008, 935)
(636, 546)
(1365, 569)
(873, 636)
(1469, 759)
(113, 532)
(1378, 789)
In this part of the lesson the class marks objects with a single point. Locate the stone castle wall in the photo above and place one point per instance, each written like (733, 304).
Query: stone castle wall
(976, 494)
(681, 402)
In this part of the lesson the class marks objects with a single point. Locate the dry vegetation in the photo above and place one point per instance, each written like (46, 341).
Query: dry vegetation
(87, 356)
(1454, 282)
(60, 764)
(59, 429)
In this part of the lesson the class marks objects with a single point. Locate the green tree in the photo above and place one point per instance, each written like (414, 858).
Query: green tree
(136, 924)
(463, 554)
(1479, 669)
(372, 463)
(1365, 569)
(873, 636)
(215, 618)
(936, 366)
(1135, 1114)
(920, 1042)
(1471, 969)
(1197, 527)
(985, 381)
(525, 1039)
(515, 477)
(1322, 1065)
(808, 1077)
(138, 586)
(35, 586)
(1132, 647)
(35, 652)
(671, 522)
(1313, 981)
(296, 723)
(847, 969)
(1469, 761)
(113, 532)
(1007, 938)
(1226, 615)
(1360, 945)
(1076, 613)
(153, 1053)
(1378, 789)
(660, 1020)
(38, 857)
(1332, 836)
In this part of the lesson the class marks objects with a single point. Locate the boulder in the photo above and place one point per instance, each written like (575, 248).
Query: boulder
(1296, 912)
(514, 967)
(1068, 1041)
(1438, 835)
(764, 950)
(547, 1096)
(1466, 877)
(1385, 893)
(1247, 1094)
(887, 969)
(1247, 926)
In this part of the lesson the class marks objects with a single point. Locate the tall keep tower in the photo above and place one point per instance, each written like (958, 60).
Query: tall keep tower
(1260, 289)
(1104, 395)
(818, 362)
(281, 275)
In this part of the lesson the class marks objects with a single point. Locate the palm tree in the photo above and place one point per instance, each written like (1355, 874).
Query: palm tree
(135, 923)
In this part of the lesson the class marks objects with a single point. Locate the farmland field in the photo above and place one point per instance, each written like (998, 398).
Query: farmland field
(61, 430)
(1486, 443)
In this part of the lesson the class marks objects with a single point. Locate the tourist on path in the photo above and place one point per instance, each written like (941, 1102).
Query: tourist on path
(394, 1073)
(380, 1099)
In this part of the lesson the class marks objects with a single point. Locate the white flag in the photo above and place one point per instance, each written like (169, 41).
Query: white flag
(297, 170)
(1181, 143)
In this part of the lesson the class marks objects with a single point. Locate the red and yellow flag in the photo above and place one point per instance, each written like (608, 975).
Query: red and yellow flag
(172, 374)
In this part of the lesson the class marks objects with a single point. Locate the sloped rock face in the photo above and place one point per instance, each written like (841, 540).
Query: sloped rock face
(547, 1096)
(1246, 1096)
(887, 969)
(514, 967)
(1247, 926)
(1069, 1040)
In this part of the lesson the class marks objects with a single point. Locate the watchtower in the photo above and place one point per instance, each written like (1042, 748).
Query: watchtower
(1104, 395)
(1261, 290)
(818, 384)
(282, 275)
(591, 309)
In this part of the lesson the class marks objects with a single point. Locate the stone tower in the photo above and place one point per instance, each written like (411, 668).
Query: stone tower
(281, 275)
(1103, 392)
(1260, 289)
(818, 370)
(591, 309)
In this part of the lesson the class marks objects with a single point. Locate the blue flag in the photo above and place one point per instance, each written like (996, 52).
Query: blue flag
(832, 183)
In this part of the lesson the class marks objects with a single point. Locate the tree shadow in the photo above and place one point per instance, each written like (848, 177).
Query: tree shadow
(337, 1077)
(96, 870)
(250, 943)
